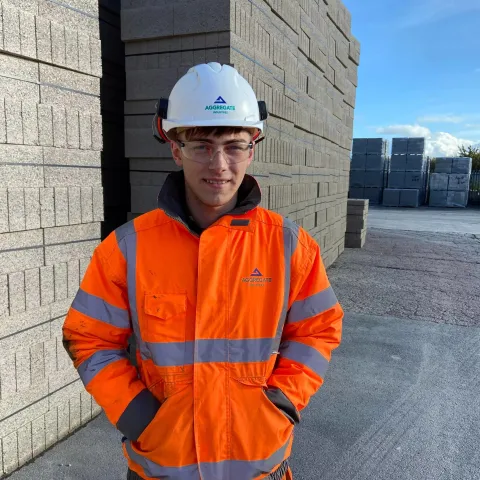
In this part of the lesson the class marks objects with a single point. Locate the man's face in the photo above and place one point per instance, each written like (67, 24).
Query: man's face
(214, 183)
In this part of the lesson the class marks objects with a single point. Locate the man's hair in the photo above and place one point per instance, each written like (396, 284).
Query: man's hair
(193, 132)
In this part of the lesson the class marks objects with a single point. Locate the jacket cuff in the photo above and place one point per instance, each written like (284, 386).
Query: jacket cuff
(283, 403)
(138, 415)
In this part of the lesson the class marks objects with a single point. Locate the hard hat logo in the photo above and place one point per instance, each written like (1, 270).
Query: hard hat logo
(220, 100)
(220, 108)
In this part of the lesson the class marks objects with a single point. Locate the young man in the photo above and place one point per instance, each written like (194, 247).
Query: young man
(232, 312)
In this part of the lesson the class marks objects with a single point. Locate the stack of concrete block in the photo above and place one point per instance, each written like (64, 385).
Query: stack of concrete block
(51, 206)
(450, 184)
(368, 169)
(300, 57)
(357, 213)
(408, 175)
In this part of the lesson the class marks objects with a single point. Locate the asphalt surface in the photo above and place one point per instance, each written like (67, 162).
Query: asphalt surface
(401, 400)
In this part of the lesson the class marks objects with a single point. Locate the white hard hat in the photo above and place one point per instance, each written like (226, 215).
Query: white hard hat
(210, 95)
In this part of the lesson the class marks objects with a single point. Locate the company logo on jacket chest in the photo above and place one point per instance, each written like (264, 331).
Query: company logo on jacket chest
(256, 279)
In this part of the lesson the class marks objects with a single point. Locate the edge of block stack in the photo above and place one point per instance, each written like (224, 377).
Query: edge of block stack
(357, 214)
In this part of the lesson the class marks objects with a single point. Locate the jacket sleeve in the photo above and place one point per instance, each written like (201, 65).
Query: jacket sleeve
(312, 330)
(96, 333)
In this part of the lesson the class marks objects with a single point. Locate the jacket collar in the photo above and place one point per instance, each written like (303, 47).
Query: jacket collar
(172, 200)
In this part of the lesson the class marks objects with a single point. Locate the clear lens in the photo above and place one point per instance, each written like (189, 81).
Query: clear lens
(203, 152)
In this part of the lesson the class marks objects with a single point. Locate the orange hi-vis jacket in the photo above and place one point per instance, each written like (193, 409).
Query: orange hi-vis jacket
(234, 328)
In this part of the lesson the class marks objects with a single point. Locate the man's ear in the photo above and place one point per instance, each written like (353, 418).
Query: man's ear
(176, 154)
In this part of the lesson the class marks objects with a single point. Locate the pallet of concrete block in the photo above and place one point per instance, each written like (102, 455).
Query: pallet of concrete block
(357, 211)
(402, 197)
(370, 146)
(449, 165)
(410, 145)
(449, 190)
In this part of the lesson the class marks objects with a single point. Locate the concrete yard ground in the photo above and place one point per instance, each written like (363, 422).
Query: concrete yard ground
(401, 398)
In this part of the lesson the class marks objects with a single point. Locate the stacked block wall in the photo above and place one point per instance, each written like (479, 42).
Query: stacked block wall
(299, 56)
(51, 206)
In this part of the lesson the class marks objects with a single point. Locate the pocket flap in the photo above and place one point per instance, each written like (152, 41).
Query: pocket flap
(165, 305)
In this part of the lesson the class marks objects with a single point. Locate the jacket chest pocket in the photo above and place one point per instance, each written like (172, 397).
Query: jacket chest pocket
(164, 329)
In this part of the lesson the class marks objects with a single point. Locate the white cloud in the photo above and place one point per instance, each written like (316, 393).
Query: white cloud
(447, 118)
(438, 144)
(443, 144)
(405, 130)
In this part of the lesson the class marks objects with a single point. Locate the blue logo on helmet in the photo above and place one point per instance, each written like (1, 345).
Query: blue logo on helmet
(220, 100)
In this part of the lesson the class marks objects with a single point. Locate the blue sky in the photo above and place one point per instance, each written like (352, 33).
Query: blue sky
(420, 70)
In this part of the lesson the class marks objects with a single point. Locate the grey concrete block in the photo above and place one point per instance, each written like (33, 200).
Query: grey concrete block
(60, 276)
(71, 49)
(409, 198)
(462, 165)
(416, 145)
(355, 240)
(10, 451)
(457, 199)
(61, 206)
(16, 292)
(62, 176)
(16, 209)
(72, 233)
(458, 182)
(149, 22)
(414, 180)
(85, 132)
(416, 163)
(44, 39)
(95, 57)
(45, 124)
(391, 197)
(87, 204)
(64, 253)
(355, 223)
(72, 157)
(74, 205)
(58, 44)
(84, 59)
(358, 161)
(374, 195)
(98, 204)
(20, 250)
(3, 122)
(439, 181)
(3, 210)
(73, 277)
(32, 291)
(13, 116)
(376, 146)
(38, 435)
(32, 208)
(374, 179)
(443, 165)
(47, 285)
(73, 18)
(28, 45)
(59, 126)
(148, 84)
(398, 163)
(47, 207)
(73, 129)
(143, 199)
(97, 132)
(375, 162)
(51, 428)
(24, 439)
(357, 178)
(438, 198)
(396, 180)
(356, 192)
(399, 146)
(30, 123)
(11, 29)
